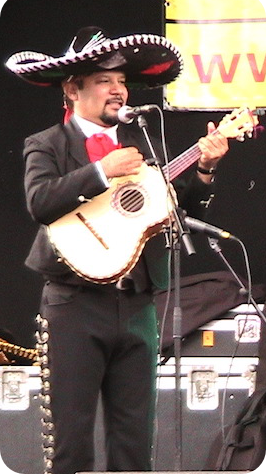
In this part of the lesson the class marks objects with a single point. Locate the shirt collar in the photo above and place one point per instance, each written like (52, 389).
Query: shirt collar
(90, 128)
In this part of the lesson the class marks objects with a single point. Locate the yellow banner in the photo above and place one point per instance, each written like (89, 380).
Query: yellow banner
(223, 44)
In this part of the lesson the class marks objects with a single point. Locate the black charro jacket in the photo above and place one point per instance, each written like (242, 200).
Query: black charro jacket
(57, 172)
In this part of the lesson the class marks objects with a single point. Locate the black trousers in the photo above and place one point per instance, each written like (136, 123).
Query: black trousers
(100, 339)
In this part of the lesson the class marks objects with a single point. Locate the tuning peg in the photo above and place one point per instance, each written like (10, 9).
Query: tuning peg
(241, 137)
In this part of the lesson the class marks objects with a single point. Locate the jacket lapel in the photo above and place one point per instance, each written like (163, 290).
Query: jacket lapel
(76, 142)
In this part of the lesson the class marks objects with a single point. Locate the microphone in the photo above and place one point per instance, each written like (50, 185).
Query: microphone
(200, 226)
(127, 114)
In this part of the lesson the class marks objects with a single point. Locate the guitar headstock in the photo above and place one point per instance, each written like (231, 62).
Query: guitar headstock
(239, 122)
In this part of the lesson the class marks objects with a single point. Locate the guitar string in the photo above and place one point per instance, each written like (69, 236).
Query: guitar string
(133, 201)
(180, 164)
(185, 160)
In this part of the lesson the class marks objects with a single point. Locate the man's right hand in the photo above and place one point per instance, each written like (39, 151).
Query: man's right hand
(122, 162)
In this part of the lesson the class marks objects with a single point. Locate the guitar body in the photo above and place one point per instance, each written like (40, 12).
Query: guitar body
(103, 238)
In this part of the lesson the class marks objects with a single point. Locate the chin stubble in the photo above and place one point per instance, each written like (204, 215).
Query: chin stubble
(109, 119)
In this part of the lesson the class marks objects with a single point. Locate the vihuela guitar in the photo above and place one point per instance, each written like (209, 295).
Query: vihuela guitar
(102, 239)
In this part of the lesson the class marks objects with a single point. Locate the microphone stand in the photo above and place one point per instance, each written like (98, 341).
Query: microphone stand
(216, 247)
(181, 232)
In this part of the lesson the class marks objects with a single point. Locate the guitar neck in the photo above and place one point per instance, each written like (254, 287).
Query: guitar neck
(182, 162)
(231, 126)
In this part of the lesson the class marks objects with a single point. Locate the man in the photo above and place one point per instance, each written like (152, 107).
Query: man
(98, 337)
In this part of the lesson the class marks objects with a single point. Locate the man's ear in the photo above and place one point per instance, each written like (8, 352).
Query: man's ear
(71, 90)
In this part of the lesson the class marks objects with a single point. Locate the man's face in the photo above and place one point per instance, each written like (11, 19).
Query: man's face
(101, 97)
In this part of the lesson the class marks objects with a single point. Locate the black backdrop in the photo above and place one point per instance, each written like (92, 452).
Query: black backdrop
(48, 26)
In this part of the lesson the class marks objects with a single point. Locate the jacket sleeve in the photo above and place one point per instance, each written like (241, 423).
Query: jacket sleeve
(194, 196)
(53, 182)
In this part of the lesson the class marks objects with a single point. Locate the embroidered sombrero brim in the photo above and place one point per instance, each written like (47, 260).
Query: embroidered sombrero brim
(148, 61)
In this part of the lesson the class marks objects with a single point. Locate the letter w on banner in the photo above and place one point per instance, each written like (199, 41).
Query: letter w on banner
(223, 44)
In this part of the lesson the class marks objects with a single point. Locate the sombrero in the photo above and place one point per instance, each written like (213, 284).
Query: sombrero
(148, 60)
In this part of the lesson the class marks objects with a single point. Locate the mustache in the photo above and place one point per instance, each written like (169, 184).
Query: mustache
(114, 100)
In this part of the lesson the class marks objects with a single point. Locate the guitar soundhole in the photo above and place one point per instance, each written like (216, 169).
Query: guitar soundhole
(129, 199)
(132, 200)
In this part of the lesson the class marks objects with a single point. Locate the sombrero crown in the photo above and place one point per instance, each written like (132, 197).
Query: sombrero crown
(148, 60)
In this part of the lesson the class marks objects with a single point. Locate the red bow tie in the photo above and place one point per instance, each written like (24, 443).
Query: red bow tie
(99, 145)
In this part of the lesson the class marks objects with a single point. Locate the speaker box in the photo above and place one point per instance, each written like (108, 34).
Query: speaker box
(20, 425)
(217, 374)
(218, 369)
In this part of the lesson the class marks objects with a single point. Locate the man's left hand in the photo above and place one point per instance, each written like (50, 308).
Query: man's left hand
(213, 147)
